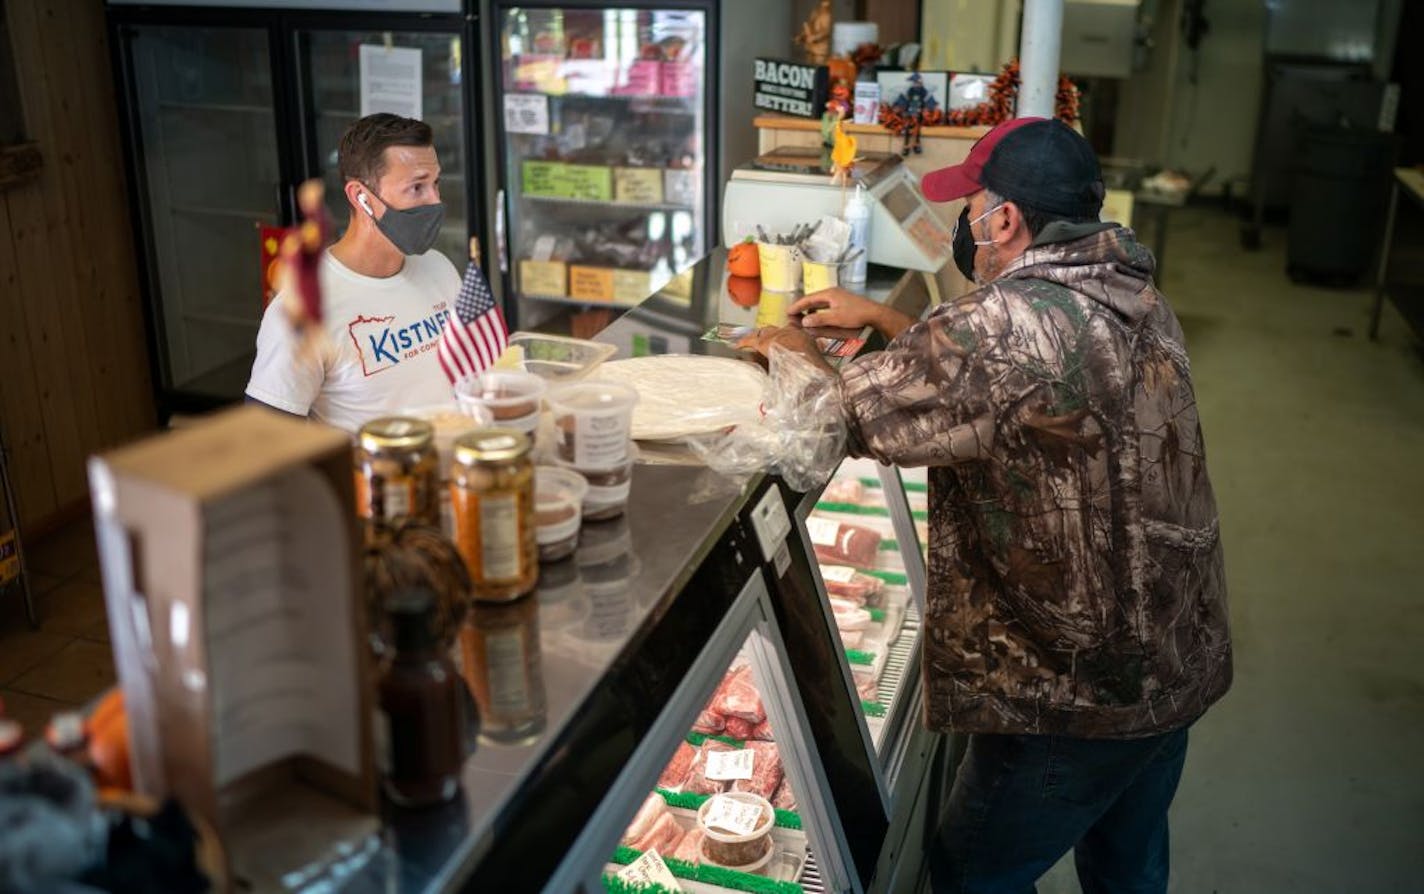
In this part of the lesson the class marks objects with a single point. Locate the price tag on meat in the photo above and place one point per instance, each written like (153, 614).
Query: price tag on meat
(725, 765)
(733, 816)
(649, 869)
(823, 531)
(838, 574)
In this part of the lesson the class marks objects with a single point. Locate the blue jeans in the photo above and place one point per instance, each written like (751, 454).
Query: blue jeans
(1019, 803)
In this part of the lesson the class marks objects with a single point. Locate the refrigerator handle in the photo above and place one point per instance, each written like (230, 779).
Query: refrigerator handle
(500, 242)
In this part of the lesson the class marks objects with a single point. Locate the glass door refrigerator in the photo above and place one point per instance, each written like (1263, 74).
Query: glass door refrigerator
(613, 129)
(225, 110)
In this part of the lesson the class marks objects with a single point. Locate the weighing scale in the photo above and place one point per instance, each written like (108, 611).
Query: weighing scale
(792, 185)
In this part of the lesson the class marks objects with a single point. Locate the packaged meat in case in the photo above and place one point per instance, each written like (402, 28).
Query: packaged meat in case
(738, 697)
(738, 728)
(689, 850)
(767, 771)
(697, 781)
(709, 723)
(844, 490)
(842, 543)
(784, 799)
(652, 809)
(845, 582)
(677, 770)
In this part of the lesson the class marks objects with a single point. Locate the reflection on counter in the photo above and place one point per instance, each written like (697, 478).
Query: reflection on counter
(501, 662)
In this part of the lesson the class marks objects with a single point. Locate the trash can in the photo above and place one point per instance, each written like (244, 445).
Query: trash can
(1339, 203)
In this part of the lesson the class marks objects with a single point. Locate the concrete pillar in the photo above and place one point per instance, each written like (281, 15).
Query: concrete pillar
(1038, 57)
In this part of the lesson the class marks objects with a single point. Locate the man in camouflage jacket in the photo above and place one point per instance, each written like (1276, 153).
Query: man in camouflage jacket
(1076, 609)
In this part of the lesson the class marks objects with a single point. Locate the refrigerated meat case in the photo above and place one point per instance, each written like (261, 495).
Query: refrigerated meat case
(225, 107)
(595, 686)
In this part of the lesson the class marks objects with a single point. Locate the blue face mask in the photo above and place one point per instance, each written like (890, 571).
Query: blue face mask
(963, 242)
(411, 230)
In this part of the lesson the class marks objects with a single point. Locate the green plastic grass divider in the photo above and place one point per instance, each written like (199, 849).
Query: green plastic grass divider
(615, 885)
(786, 819)
(876, 614)
(856, 656)
(872, 709)
(696, 740)
(910, 486)
(889, 546)
(711, 875)
(875, 511)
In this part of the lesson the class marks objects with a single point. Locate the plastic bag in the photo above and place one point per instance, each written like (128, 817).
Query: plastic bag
(801, 434)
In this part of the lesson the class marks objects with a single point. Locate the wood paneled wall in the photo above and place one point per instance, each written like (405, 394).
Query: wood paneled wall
(74, 373)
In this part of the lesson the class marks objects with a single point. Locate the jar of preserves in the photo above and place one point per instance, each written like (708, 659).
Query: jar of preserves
(397, 472)
(492, 504)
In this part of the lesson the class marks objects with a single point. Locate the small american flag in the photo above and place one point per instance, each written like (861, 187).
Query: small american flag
(475, 335)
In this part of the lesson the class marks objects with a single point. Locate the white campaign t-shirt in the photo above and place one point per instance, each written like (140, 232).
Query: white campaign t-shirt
(379, 356)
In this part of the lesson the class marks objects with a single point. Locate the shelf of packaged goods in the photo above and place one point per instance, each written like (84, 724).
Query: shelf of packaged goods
(599, 203)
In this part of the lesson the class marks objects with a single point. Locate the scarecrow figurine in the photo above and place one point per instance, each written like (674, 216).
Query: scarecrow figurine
(838, 108)
(909, 111)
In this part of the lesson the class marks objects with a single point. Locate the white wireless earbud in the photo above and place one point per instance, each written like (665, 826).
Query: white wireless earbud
(364, 203)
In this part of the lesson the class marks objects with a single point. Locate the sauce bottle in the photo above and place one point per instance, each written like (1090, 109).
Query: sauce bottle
(420, 695)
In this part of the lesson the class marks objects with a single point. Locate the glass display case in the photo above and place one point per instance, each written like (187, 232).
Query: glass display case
(225, 110)
(204, 108)
(603, 152)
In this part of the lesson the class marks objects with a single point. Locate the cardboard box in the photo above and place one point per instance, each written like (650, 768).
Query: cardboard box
(591, 283)
(232, 576)
(548, 278)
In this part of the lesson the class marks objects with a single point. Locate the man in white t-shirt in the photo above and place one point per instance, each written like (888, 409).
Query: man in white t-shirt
(386, 293)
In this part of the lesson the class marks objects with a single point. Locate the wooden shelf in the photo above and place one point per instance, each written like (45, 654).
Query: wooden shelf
(786, 122)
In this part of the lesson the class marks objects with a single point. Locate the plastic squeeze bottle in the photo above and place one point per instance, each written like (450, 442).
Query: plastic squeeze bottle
(420, 703)
(857, 215)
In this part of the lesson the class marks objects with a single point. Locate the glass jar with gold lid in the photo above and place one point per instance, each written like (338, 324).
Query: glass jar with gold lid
(492, 503)
(397, 472)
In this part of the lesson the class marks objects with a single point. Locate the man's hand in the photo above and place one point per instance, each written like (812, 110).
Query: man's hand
(840, 309)
(761, 340)
(786, 337)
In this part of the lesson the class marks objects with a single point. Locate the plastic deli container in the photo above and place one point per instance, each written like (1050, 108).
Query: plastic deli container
(745, 852)
(608, 489)
(558, 511)
(558, 358)
(509, 397)
(592, 423)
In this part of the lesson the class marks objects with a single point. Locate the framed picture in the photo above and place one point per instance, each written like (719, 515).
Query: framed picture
(968, 89)
(893, 85)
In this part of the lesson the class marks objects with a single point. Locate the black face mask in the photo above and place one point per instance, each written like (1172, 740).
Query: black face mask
(963, 245)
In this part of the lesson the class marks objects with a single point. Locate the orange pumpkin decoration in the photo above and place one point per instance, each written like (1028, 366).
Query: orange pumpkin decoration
(742, 260)
(108, 729)
(745, 291)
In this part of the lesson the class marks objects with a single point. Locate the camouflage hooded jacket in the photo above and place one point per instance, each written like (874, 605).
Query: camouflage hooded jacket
(1075, 570)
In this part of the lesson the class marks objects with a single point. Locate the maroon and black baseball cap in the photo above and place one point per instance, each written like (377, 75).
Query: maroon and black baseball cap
(1041, 162)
